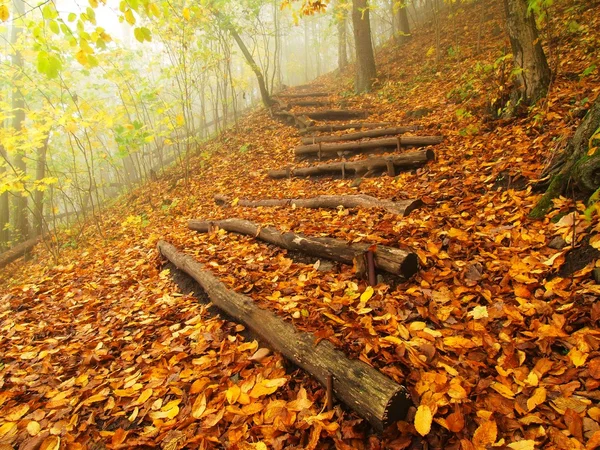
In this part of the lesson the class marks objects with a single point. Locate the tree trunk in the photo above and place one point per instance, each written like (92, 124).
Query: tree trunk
(327, 150)
(365, 58)
(18, 105)
(226, 23)
(38, 198)
(341, 17)
(392, 260)
(358, 135)
(401, 207)
(4, 205)
(364, 389)
(533, 73)
(574, 163)
(404, 34)
(365, 167)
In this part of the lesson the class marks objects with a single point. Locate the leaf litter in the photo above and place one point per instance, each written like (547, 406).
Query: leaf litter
(496, 348)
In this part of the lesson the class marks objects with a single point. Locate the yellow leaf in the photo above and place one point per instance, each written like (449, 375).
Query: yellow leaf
(366, 296)
(29, 355)
(233, 393)
(538, 397)
(51, 443)
(16, 413)
(8, 429)
(4, 14)
(129, 17)
(485, 435)
(423, 420)
(186, 14)
(479, 312)
(199, 407)
(143, 397)
(33, 428)
(502, 390)
(522, 445)
(235, 201)
(577, 358)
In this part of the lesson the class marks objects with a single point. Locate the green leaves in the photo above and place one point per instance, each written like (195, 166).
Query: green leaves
(142, 34)
(48, 64)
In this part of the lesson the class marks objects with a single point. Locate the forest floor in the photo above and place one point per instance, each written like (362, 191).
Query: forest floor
(496, 337)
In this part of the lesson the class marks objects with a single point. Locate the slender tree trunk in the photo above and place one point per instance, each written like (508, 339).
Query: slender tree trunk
(4, 207)
(306, 61)
(18, 104)
(533, 73)
(341, 14)
(264, 93)
(38, 197)
(365, 58)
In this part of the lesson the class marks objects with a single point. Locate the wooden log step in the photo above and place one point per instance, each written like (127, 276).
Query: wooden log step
(344, 126)
(359, 135)
(368, 167)
(374, 396)
(393, 260)
(324, 149)
(305, 95)
(18, 250)
(400, 207)
(337, 114)
(299, 121)
(315, 103)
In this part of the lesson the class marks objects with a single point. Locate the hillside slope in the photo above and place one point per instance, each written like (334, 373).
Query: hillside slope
(496, 337)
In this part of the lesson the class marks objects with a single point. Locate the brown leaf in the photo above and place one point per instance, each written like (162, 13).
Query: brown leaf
(574, 423)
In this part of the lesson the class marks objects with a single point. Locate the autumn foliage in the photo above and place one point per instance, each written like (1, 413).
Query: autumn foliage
(496, 337)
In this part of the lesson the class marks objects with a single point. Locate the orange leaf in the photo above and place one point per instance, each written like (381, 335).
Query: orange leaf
(485, 435)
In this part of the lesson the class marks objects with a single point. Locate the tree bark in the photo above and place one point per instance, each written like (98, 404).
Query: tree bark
(366, 70)
(574, 163)
(4, 205)
(362, 388)
(18, 105)
(18, 250)
(404, 34)
(359, 135)
(38, 198)
(324, 150)
(341, 17)
(401, 207)
(533, 73)
(345, 126)
(337, 114)
(393, 260)
(297, 120)
(264, 92)
(304, 95)
(365, 167)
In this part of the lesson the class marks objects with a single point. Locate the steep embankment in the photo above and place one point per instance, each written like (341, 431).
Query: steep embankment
(488, 336)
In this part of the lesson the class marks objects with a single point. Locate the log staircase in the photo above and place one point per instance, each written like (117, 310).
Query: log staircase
(362, 388)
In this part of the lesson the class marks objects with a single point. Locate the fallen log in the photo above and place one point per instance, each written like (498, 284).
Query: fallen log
(393, 260)
(305, 95)
(296, 120)
(401, 207)
(314, 103)
(368, 167)
(337, 114)
(344, 126)
(359, 135)
(362, 388)
(18, 250)
(322, 149)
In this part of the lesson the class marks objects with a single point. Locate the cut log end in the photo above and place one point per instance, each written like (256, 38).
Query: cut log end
(410, 265)
(397, 407)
